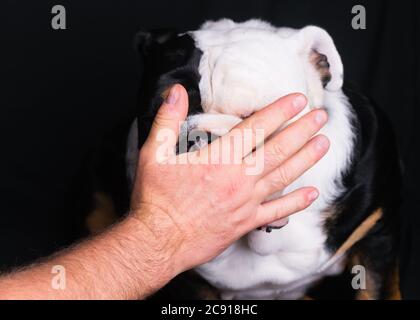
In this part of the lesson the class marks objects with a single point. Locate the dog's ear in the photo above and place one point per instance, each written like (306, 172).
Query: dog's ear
(144, 40)
(319, 48)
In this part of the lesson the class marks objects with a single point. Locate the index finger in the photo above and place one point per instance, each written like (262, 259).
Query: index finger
(267, 121)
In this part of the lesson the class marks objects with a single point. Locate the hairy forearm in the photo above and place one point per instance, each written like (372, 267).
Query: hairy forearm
(125, 262)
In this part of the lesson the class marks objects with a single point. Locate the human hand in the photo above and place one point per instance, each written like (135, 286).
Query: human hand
(195, 209)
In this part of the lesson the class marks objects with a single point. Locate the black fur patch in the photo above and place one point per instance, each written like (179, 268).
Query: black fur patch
(167, 62)
(372, 182)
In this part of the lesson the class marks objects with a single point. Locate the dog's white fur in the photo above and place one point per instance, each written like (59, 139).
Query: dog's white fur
(244, 67)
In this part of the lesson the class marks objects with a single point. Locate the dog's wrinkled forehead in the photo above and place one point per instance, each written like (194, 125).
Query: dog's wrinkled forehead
(246, 66)
(230, 70)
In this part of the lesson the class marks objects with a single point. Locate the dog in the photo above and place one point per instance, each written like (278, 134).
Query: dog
(231, 70)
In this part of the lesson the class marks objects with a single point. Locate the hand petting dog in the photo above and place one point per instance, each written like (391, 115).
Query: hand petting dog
(184, 214)
(195, 209)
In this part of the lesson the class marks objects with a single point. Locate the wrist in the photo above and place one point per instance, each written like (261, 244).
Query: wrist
(159, 243)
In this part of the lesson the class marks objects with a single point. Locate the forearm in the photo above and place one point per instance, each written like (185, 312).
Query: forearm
(125, 262)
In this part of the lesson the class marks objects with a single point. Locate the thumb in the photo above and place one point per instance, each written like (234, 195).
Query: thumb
(165, 129)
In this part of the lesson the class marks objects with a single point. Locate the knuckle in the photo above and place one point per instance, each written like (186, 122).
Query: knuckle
(279, 151)
(284, 176)
(279, 180)
(260, 123)
(259, 129)
(162, 121)
(278, 212)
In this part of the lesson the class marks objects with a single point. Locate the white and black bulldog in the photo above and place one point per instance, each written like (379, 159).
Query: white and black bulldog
(231, 70)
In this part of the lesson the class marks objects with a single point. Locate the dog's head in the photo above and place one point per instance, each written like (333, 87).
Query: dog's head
(231, 70)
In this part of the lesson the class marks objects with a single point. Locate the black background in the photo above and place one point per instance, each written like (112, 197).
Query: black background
(64, 91)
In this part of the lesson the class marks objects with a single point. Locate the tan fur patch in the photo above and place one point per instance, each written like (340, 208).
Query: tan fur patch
(392, 283)
(394, 286)
(371, 292)
(103, 215)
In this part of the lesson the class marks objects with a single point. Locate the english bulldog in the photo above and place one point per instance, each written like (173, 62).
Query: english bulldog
(230, 71)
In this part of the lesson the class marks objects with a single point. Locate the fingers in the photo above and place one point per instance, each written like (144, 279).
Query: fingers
(293, 168)
(165, 129)
(287, 142)
(267, 121)
(281, 208)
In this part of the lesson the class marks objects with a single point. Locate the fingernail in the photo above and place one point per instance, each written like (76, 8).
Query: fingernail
(299, 102)
(321, 117)
(172, 97)
(322, 143)
(313, 196)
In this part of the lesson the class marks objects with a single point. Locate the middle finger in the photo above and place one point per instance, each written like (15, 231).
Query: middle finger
(287, 142)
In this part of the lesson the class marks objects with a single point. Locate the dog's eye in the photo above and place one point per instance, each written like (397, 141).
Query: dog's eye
(195, 140)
